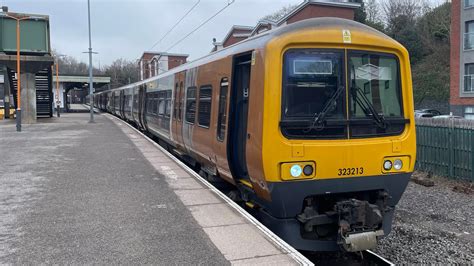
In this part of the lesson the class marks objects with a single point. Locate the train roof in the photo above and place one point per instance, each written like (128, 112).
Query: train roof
(261, 40)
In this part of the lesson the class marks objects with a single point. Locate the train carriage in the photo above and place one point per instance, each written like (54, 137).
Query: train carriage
(311, 122)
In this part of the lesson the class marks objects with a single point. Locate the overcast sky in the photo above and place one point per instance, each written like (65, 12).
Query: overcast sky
(126, 28)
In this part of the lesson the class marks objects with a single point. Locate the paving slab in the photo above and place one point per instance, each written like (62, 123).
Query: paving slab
(184, 184)
(215, 215)
(240, 242)
(197, 197)
(266, 261)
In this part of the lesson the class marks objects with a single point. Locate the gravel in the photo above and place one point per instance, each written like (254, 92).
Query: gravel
(432, 225)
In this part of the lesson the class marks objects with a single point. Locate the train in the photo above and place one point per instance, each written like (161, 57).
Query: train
(312, 123)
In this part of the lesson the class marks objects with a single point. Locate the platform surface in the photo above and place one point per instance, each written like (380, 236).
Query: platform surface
(72, 192)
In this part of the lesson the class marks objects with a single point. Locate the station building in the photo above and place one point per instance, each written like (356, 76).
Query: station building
(35, 65)
(73, 89)
(306, 10)
(462, 58)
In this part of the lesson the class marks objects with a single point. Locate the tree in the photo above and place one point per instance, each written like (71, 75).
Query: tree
(360, 14)
(373, 19)
(431, 74)
(279, 14)
(122, 72)
(400, 18)
(69, 65)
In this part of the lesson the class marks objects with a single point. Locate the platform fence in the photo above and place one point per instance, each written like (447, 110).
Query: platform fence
(445, 147)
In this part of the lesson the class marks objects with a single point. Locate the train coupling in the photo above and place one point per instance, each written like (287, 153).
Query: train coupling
(354, 224)
(361, 241)
(359, 223)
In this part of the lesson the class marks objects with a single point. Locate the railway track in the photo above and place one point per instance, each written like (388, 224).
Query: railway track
(365, 258)
(331, 258)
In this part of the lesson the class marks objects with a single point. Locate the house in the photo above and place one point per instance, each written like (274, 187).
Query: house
(306, 10)
(461, 98)
(236, 34)
(154, 63)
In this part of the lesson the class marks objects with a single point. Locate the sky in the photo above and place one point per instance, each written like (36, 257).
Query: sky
(126, 28)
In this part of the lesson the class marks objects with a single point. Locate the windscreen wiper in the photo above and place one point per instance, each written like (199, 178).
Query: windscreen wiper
(367, 107)
(364, 103)
(320, 118)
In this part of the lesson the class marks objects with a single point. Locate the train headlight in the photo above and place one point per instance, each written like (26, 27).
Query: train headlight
(296, 170)
(293, 171)
(308, 170)
(387, 165)
(398, 164)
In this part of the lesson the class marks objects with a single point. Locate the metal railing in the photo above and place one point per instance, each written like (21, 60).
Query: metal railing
(445, 147)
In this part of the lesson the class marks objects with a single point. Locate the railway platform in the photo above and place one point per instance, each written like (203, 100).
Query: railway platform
(72, 192)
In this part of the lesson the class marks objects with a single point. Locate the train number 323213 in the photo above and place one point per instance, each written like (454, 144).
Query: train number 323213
(350, 171)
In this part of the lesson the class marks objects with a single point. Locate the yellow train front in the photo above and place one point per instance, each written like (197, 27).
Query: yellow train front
(338, 143)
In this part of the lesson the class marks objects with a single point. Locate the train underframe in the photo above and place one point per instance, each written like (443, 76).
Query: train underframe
(348, 214)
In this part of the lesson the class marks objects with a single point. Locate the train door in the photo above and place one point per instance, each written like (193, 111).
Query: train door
(122, 104)
(174, 119)
(238, 116)
(180, 108)
(113, 102)
(220, 146)
(141, 106)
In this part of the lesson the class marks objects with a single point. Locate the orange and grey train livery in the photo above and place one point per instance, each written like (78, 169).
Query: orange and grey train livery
(312, 123)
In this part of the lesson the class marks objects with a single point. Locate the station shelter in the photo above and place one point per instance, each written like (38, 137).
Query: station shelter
(73, 89)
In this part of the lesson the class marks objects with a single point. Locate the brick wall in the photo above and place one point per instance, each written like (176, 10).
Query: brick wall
(457, 104)
(315, 11)
(174, 61)
(454, 98)
(232, 39)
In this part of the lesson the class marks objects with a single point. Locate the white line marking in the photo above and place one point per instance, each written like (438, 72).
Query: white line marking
(292, 252)
(380, 257)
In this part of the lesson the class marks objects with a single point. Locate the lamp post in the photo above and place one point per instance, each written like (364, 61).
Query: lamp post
(18, 96)
(90, 64)
(58, 102)
(57, 89)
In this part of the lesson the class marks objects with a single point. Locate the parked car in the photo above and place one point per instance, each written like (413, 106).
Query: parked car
(424, 115)
(448, 117)
(434, 112)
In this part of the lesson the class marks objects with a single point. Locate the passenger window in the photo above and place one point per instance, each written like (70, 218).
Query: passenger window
(191, 105)
(155, 103)
(222, 116)
(161, 100)
(205, 97)
(149, 102)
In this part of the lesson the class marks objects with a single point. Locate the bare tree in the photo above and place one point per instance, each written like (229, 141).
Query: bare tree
(69, 65)
(408, 9)
(277, 15)
(122, 72)
(372, 9)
